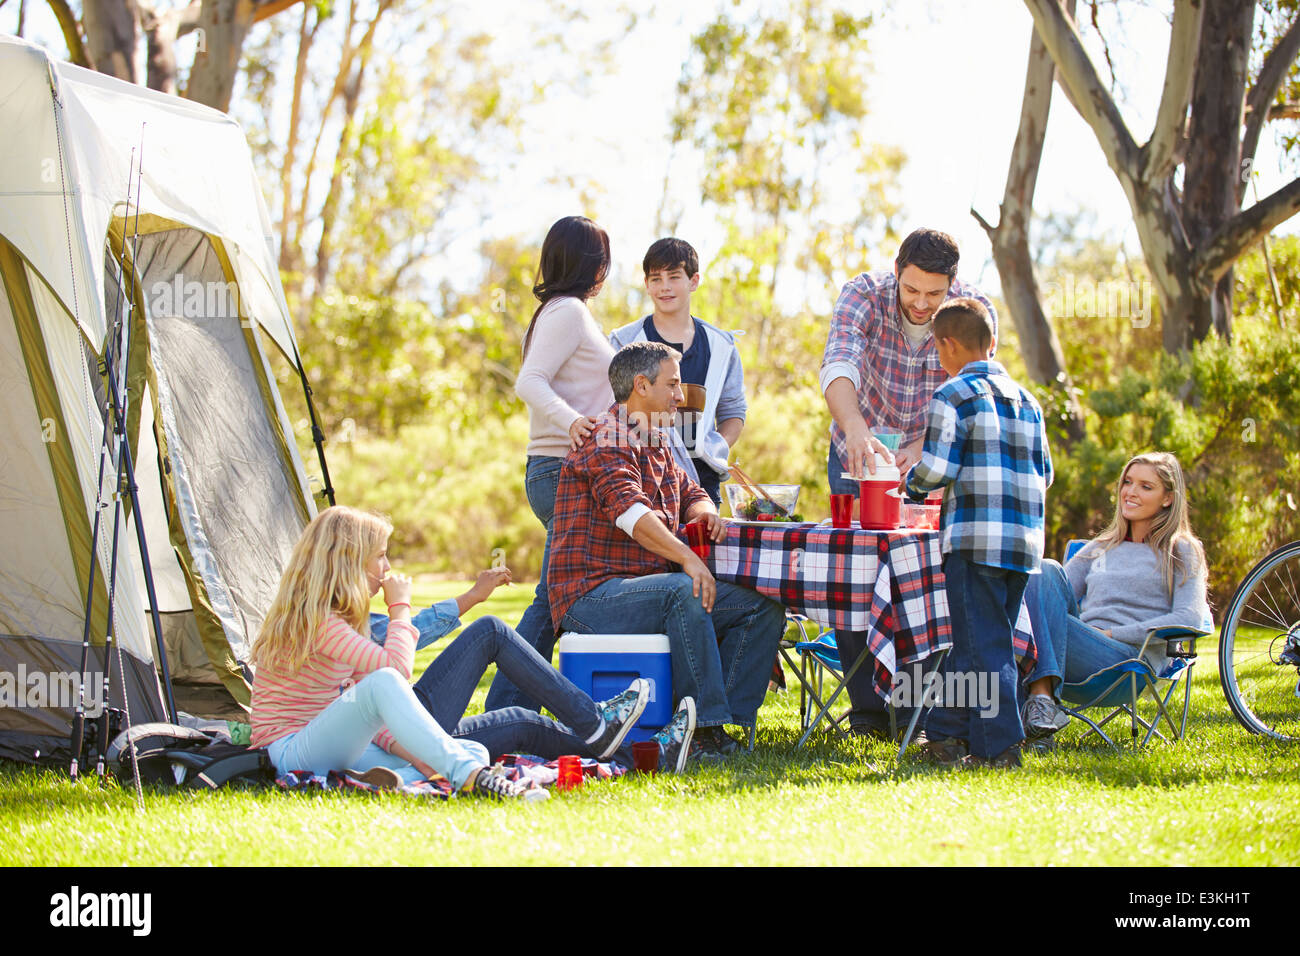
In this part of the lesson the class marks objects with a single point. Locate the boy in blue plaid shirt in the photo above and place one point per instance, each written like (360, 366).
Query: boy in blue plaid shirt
(985, 444)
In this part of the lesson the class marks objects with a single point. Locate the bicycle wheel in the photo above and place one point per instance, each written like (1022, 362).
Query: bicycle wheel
(1262, 623)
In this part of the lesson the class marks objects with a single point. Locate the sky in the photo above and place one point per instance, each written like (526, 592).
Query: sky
(946, 72)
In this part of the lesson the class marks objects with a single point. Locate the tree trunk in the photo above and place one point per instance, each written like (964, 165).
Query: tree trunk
(161, 31)
(113, 38)
(1213, 168)
(1039, 345)
(223, 24)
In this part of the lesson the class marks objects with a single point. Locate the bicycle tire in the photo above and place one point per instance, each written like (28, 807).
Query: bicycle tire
(1263, 615)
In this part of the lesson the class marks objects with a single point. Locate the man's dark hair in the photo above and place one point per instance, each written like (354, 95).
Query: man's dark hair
(671, 253)
(930, 251)
(637, 358)
(966, 320)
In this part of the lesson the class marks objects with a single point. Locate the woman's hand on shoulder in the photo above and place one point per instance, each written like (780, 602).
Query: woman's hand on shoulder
(397, 589)
(580, 431)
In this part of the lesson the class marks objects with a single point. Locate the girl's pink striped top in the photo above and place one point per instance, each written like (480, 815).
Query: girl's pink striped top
(284, 702)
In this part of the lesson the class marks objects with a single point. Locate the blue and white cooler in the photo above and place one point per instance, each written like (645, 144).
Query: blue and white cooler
(604, 664)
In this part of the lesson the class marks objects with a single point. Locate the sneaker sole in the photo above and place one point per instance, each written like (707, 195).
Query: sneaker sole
(641, 703)
(685, 750)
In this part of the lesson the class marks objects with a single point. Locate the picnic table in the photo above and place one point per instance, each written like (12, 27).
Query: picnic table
(887, 586)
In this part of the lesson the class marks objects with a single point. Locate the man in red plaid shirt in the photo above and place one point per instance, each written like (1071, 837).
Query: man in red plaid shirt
(618, 567)
(880, 369)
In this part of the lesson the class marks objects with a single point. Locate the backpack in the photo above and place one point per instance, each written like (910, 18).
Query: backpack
(187, 757)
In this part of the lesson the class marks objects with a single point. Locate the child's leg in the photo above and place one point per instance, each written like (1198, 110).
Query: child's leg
(948, 720)
(446, 686)
(338, 736)
(991, 601)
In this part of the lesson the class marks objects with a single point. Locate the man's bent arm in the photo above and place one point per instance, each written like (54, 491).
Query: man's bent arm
(653, 535)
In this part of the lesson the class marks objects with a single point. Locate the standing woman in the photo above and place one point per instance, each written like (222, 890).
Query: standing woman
(1146, 570)
(564, 381)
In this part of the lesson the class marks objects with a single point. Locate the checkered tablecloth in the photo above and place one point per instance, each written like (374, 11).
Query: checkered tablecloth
(887, 585)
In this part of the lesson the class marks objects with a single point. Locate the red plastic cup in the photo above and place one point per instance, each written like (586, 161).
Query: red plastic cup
(697, 534)
(842, 510)
(645, 756)
(570, 777)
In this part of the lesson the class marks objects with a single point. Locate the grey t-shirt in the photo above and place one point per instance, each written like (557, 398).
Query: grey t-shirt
(1123, 591)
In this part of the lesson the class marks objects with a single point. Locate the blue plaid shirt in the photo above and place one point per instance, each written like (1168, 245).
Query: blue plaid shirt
(985, 444)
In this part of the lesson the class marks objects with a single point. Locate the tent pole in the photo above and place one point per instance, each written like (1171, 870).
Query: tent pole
(317, 434)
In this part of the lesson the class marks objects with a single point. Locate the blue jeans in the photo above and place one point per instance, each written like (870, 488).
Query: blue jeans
(723, 659)
(542, 478)
(1068, 650)
(447, 685)
(984, 603)
(339, 737)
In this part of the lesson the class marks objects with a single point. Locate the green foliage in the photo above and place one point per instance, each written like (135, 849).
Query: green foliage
(1229, 412)
(454, 489)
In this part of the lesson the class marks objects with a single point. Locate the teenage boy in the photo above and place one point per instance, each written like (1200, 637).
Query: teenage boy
(709, 358)
(985, 444)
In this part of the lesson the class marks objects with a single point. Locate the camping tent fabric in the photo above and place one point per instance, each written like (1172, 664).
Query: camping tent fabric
(222, 480)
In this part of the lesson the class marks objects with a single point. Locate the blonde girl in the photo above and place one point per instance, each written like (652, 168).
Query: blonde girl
(325, 696)
(1146, 570)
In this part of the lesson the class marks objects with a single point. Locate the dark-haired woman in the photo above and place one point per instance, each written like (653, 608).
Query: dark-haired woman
(564, 381)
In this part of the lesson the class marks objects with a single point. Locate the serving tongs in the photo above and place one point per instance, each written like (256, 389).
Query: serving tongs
(757, 490)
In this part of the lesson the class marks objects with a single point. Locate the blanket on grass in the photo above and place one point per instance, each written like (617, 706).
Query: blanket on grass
(524, 768)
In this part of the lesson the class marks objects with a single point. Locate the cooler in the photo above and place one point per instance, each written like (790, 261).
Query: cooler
(604, 664)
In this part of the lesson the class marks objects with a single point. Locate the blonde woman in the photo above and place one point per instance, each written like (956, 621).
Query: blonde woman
(1147, 569)
(325, 696)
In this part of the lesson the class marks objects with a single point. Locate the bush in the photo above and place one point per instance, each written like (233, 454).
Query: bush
(1229, 412)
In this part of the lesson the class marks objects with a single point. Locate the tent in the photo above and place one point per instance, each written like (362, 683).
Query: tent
(186, 258)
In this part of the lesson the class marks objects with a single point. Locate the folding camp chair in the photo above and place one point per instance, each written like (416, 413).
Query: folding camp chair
(817, 658)
(1121, 687)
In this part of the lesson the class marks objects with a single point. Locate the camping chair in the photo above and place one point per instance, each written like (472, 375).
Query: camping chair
(817, 657)
(1122, 686)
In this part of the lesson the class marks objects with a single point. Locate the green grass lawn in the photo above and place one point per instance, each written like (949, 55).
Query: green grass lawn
(1221, 797)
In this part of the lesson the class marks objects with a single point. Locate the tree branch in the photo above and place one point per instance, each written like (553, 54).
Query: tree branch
(71, 28)
(1161, 150)
(1274, 70)
(1243, 230)
(1089, 96)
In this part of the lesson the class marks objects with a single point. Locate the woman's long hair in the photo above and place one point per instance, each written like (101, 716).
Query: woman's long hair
(575, 261)
(326, 575)
(1169, 527)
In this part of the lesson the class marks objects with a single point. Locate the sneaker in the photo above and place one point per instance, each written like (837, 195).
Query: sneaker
(1042, 716)
(620, 715)
(1003, 761)
(945, 750)
(381, 778)
(675, 739)
(715, 742)
(493, 782)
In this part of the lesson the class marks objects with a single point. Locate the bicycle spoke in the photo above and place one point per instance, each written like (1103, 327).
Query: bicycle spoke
(1266, 607)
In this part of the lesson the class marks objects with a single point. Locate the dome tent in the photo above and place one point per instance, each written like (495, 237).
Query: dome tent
(120, 201)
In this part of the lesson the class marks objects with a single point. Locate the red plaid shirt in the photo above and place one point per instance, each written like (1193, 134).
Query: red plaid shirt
(895, 379)
(616, 468)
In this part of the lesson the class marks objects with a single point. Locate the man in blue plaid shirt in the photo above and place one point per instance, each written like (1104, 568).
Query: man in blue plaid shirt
(985, 444)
